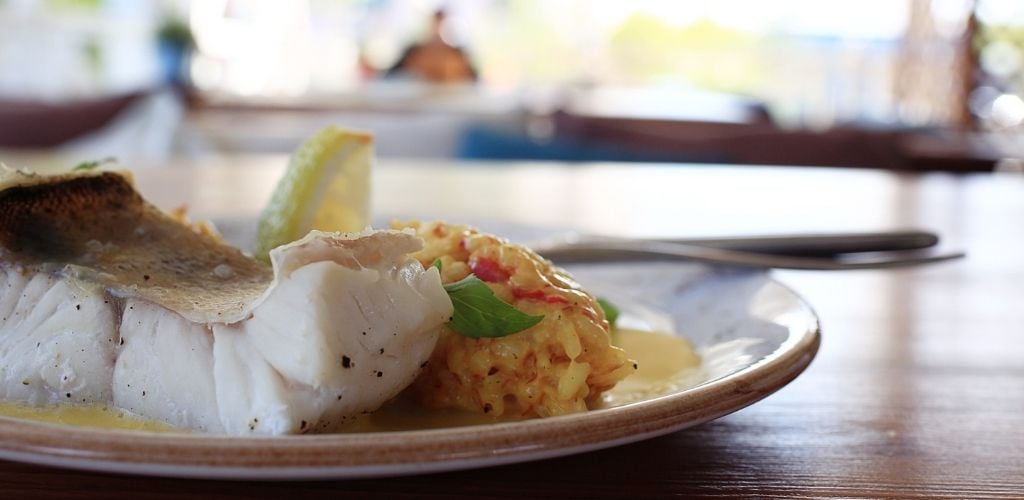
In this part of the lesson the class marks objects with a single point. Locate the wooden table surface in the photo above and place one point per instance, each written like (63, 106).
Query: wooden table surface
(917, 391)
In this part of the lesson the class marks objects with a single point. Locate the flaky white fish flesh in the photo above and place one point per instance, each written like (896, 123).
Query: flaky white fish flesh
(104, 299)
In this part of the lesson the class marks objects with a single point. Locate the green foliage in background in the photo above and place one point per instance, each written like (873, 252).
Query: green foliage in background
(704, 53)
(174, 30)
(1011, 36)
(89, 5)
(93, 54)
(529, 46)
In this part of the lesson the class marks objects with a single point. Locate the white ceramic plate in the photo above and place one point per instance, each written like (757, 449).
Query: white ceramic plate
(754, 334)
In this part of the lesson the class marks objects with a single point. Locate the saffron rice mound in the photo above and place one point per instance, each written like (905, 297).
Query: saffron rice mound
(556, 367)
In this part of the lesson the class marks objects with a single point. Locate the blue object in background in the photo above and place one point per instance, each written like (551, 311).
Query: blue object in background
(484, 143)
(173, 56)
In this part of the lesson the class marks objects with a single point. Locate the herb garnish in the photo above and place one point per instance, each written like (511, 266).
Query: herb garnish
(611, 313)
(89, 165)
(479, 313)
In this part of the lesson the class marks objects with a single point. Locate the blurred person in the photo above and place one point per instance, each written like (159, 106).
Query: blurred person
(435, 60)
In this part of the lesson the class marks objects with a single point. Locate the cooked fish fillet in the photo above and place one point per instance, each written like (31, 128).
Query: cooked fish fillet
(105, 299)
(57, 339)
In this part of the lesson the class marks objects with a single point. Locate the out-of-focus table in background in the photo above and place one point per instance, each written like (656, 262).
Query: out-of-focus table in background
(917, 391)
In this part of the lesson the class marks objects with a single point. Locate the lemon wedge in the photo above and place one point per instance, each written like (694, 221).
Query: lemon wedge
(326, 187)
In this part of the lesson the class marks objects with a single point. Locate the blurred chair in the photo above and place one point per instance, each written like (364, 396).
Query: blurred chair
(32, 124)
(138, 124)
(588, 138)
(763, 143)
(759, 143)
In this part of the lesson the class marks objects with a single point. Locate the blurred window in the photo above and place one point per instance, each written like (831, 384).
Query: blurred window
(998, 85)
(813, 63)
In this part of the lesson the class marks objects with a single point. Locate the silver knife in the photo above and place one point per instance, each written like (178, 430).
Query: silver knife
(813, 252)
(819, 244)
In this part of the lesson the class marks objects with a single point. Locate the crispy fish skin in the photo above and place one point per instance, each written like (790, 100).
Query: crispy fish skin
(100, 229)
(107, 299)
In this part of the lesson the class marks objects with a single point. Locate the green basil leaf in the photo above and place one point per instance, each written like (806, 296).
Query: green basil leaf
(611, 313)
(437, 264)
(89, 165)
(479, 313)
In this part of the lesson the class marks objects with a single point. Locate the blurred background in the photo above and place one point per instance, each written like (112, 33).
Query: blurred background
(894, 84)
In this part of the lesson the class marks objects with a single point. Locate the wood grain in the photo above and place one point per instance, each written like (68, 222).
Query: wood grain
(917, 391)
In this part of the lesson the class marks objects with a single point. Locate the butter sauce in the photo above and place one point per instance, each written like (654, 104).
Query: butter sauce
(83, 415)
(665, 363)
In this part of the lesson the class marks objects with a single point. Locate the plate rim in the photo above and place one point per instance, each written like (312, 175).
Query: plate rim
(366, 455)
